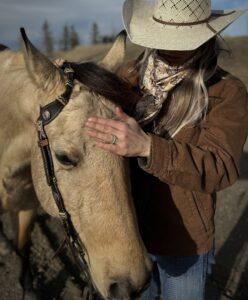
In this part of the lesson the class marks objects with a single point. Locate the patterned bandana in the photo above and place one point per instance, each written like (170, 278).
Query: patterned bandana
(156, 81)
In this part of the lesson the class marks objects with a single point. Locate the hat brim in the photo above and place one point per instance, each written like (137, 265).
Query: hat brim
(143, 30)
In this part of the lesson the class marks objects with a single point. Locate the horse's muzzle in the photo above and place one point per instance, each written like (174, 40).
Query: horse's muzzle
(123, 289)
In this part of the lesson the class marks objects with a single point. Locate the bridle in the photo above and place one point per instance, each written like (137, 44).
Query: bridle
(48, 114)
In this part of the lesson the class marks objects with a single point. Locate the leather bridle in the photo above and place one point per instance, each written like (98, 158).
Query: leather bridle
(47, 114)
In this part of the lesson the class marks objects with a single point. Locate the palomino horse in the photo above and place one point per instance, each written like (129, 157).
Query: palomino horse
(94, 184)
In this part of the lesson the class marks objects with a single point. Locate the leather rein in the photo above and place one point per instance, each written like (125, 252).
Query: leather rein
(47, 114)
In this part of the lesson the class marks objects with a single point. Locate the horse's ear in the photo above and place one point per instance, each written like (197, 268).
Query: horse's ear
(116, 55)
(43, 72)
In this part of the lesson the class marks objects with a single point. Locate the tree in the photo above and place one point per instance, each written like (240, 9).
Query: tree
(65, 40)
(95, 36)
(107, 39)
(47, 38)
(74, 38)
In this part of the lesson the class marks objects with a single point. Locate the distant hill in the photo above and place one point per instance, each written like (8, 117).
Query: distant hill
(96, 52)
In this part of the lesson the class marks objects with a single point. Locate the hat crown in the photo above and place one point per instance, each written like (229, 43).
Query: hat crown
(182, 11)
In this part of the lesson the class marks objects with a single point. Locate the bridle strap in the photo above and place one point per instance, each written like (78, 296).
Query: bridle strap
(47, 114)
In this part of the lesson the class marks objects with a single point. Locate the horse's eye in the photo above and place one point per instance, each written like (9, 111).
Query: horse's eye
(64, 159)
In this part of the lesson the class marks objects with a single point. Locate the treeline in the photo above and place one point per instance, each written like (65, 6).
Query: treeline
(97, 38)
(70, 39)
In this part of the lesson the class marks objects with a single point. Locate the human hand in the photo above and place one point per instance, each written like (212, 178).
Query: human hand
(131, 140)
(59, 62)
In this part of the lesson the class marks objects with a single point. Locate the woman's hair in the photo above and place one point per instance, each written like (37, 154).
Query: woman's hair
(189, 100)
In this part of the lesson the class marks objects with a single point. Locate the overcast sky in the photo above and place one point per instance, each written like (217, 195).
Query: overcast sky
(31, 14)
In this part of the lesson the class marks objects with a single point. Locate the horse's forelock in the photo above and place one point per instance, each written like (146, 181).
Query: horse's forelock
(107, 84)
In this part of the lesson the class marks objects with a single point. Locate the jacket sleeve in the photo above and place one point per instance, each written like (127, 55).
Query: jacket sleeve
(212, 164)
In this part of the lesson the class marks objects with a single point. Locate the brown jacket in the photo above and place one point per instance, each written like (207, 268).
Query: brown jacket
(175, 189)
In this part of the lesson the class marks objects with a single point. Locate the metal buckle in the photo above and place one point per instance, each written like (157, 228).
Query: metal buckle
(69, 83)
(54, 180)
(68, 70)
(62, 100)
(63, 215)
(43, 143)
(46, 115)
(39, 125)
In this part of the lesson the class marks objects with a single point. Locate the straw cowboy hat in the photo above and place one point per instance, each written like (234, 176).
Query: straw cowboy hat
(174, 24)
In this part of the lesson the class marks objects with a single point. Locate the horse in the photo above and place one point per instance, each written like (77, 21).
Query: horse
(95, 184)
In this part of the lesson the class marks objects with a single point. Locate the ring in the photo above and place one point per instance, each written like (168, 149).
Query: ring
(114, 139)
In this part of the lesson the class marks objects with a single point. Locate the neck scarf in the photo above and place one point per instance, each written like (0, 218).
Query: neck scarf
(157, 79)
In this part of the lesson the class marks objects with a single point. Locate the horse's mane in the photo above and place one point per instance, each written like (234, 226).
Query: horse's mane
(105, 83)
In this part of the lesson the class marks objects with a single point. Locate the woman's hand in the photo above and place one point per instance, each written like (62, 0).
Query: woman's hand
(131, 140)
(59, 62)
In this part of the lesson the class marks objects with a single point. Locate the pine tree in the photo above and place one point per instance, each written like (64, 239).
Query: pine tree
(74, 38)
(95, 36)
(47, 38)
(65, 40)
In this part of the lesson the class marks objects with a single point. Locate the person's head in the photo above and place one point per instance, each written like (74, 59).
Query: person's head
(189, 100)
(177, 58)
(180, 30)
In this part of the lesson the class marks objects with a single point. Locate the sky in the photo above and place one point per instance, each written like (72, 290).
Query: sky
(31, 14)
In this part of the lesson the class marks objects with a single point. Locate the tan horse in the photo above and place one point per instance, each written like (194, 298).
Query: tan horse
(94, 184)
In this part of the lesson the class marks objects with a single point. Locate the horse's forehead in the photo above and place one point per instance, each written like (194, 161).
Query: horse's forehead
(85, 104)
(82, 105)
(77, 109)
(69, 125)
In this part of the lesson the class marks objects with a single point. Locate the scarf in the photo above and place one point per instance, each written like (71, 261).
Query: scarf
(157, 79)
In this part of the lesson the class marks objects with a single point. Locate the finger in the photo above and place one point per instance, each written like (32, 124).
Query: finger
(105, 123)
(59, 62)
(107, 138)
(123, 116)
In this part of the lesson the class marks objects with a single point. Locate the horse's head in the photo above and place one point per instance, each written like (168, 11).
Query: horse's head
(94, 184)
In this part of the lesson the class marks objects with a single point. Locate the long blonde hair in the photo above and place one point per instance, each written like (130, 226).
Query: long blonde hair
(189, 100)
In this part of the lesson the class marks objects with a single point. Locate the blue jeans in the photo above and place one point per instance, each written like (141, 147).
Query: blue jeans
(179, 277)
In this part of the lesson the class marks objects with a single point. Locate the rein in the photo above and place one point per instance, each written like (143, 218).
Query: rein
(47, 114)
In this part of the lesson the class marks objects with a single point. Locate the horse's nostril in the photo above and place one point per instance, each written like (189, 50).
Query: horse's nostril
(113, 289)
(121, 289)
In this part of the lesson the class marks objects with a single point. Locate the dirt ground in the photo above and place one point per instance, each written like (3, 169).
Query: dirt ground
(59, 279)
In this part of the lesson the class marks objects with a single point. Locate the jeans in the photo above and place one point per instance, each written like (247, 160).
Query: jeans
(179, 277)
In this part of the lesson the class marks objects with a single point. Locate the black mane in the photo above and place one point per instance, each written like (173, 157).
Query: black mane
(105, 83)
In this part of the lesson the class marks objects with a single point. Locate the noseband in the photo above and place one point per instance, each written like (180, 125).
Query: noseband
(47, 114)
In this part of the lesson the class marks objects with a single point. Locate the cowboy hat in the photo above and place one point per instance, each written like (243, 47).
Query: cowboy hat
(180, 25)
